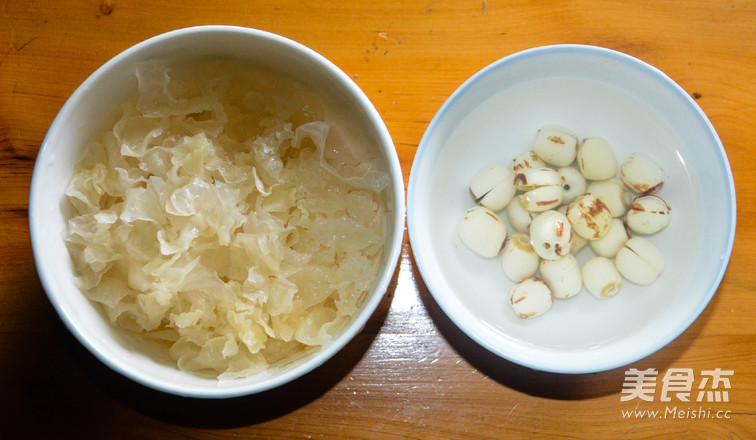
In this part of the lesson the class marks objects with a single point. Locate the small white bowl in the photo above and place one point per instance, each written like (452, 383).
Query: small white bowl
(93, 106)
(493, 117)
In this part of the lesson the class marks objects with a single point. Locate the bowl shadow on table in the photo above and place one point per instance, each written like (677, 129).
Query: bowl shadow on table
(541, 383)
(237, 411)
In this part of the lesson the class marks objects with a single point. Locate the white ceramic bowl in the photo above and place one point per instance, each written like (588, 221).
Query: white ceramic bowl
(493, 117)
(94, 104)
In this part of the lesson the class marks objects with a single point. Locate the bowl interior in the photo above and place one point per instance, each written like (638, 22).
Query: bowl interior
(492, 118)
(94, 106)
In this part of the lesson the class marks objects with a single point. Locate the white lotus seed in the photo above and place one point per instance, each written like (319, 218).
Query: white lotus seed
(613, 193)
(570, 196)
(551, 235)
(648, 214)
(533, 178)
(541, 199)
(525, 161)
(563, 276)
(493, 187)
(542, 189)
(555, 145)
(589, 216)
(641, 174)
(608, 245)
(531, 297)
(640, 261)
(601, 278)
(518, 259)
(482, 231)
(596, 159)
(573, 183)
(518, 216)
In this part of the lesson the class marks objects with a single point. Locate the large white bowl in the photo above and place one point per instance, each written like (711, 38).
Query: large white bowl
(493, 117)
(94, 104)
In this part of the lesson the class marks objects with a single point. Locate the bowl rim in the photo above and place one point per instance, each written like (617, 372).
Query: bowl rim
(393, 244)
(419, 252)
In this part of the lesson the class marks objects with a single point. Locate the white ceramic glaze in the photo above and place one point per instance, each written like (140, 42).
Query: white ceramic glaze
(93, 106)
(492, 118)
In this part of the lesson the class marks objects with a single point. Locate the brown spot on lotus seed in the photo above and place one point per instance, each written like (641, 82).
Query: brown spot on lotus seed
(596, 207)
(520, 166)
(520, 179)
(594, 211)
(559, 228)
(556, 140)
(650, 189)
(547, 202)
(493, 216)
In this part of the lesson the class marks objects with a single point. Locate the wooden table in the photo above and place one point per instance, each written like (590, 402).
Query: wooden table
(411, 373)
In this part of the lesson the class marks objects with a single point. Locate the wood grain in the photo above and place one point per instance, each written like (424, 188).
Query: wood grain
(411, 373)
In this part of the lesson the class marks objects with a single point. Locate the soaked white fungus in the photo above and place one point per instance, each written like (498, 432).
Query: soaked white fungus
(219, 218)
